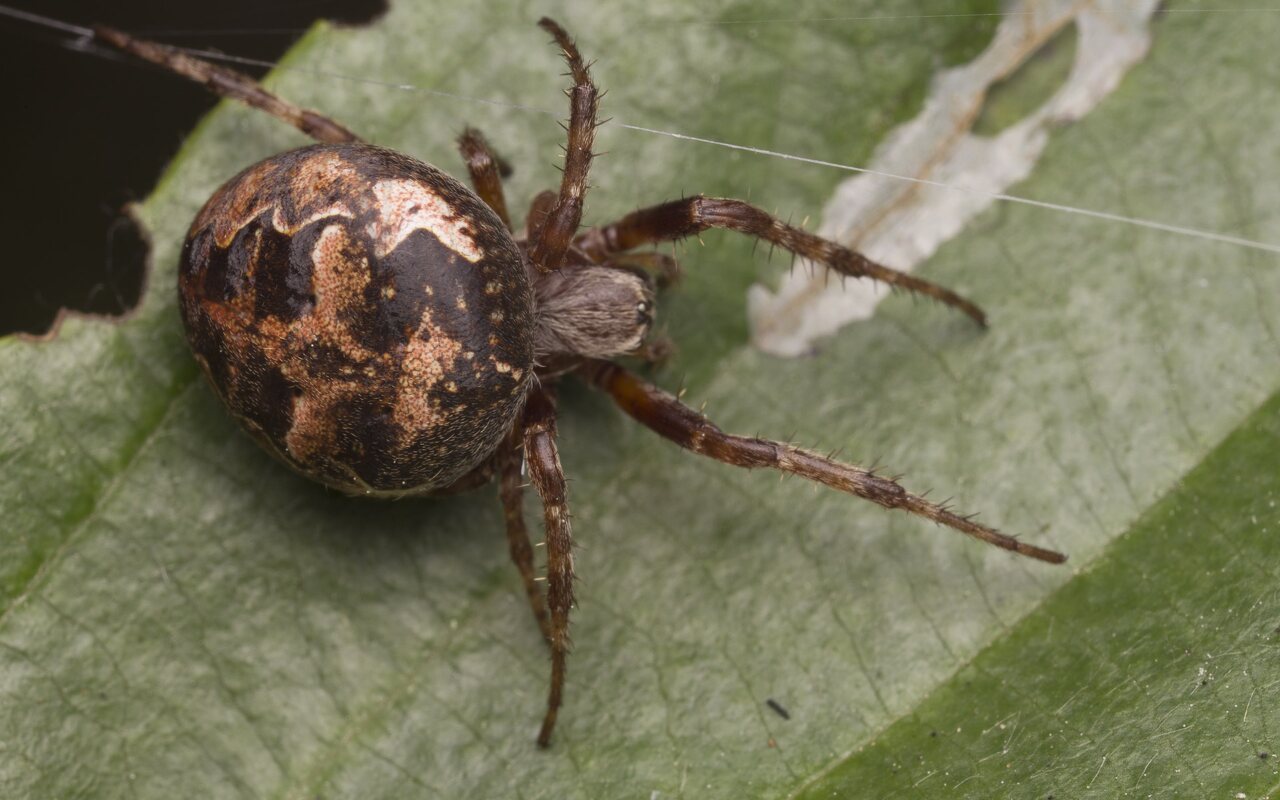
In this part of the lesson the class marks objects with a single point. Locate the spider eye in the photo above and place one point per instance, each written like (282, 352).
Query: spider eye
(644, 313)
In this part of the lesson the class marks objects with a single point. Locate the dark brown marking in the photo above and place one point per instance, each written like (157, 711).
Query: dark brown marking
(261, 384)
(445, 278)
(284, 292)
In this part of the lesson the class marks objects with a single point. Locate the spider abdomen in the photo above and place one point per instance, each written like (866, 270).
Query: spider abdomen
(362, 313)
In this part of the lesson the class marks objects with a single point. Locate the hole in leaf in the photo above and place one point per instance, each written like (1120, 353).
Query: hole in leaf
(114, 293)
(73, 164)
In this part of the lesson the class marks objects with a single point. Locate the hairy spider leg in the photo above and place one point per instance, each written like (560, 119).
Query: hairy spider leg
(486, 170)
(229, 83)
(543, 457)
(510, 461)
(555, 234)
(680, 218)
(671, 419)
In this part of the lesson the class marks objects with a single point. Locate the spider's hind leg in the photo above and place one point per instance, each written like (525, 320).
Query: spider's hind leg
(673, 420)
(543, 457)
(511, 491)
(228, 83)
(487, 171)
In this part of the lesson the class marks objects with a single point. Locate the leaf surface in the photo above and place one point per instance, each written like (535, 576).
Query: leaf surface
(184, 617)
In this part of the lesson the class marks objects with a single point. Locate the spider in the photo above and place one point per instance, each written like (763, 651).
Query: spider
(382, 329)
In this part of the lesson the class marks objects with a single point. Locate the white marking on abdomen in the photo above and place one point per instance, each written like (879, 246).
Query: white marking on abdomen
(405, 206)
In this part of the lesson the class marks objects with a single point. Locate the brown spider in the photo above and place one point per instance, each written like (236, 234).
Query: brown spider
(376, 325)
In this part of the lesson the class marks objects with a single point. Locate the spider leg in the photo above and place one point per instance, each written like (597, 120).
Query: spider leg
(511, 491)
(539, 210)
(664, 268)
(548, 477)
(557, 232)
(671, 419)
(680, 218)
(486, 172)
(228, 83)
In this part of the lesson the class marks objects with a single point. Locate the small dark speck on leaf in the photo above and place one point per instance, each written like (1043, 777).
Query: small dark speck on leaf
(933, 734)
(1264, 755)
(776, 706)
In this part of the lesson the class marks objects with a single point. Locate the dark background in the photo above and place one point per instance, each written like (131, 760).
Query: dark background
(84, 135)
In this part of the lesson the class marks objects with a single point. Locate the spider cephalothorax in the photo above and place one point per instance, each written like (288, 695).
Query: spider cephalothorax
(379, 327)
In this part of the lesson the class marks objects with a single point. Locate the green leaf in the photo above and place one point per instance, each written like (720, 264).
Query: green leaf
(1154, 673)
(183, 617)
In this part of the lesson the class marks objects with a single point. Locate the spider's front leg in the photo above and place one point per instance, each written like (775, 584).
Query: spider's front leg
(671, 419)
(556, 233)
(543, 458)
(680, 218)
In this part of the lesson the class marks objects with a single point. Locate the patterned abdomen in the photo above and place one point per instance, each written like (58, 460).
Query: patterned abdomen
(362, 313)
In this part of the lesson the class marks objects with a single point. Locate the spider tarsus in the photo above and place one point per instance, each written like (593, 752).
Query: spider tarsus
(965, 524)
(544, 734)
